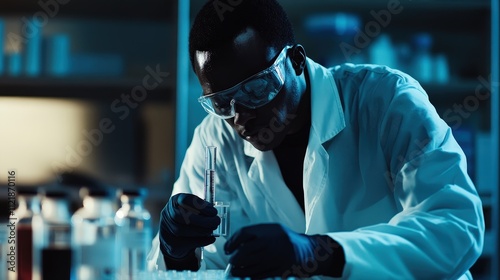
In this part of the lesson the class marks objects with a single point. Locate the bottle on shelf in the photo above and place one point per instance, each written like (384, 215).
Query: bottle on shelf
(33, 48)
(53, 247)
(134, 223)
(4, 242)
(382, 51)
(2, 43)
(442, 70)
(96, 235)
(337, 33)
(29, 207)
(422, 65)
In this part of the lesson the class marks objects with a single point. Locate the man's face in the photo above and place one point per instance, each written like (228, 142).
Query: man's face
(264, 127)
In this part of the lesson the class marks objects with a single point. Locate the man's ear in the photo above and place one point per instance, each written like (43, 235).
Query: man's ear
(298, 58)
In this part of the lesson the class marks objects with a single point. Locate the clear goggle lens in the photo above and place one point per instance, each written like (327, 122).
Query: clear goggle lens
(253, 92)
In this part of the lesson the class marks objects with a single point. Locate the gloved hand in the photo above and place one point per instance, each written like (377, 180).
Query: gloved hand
(186, 223)
(270, 250)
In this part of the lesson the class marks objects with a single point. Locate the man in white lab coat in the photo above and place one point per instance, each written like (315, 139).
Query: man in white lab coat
(343, 172)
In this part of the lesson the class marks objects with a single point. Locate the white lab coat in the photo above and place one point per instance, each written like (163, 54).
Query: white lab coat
(383, 176)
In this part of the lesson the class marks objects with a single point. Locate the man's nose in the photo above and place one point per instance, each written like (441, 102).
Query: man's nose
(243, 114)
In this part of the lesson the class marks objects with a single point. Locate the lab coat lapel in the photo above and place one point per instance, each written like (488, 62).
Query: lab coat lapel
(327, 120)
(269, 196)
(265, 189)
(315, 172)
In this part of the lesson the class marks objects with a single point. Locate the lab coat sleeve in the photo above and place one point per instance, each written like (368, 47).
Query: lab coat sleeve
(438, 233)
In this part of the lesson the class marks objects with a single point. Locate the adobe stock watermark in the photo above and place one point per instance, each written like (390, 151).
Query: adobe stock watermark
(322, 252)
(192, 206)
(412, 158)
(277, 124)
(454, 117)
(372, 29)
(225, 6)
(11, 249)
(121, 107)
(461, 111)
(31, 27)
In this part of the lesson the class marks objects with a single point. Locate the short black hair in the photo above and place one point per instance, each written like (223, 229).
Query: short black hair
(220, 21)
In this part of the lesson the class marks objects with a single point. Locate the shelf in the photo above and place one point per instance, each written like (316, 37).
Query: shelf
(454, 91)
(451, 89)
(80, 88)
(448, 15)
(489, 244)
(125, 9)
(359, 5)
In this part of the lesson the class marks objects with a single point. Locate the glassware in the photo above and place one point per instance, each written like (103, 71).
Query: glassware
(4, 245)
(96, 235)
(134, 223)
(53, 248)
(29, 207)
(223, 213)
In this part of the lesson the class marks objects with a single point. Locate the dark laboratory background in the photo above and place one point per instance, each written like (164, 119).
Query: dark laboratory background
(101, 92)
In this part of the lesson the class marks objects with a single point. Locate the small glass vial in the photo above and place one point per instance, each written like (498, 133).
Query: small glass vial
(5, 262)
(29, 207)
(223, 213)
(53, 248)
(96, 235)
(134, 223)
(422, 58)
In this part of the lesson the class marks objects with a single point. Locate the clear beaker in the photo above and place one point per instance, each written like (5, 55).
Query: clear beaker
(223, 213)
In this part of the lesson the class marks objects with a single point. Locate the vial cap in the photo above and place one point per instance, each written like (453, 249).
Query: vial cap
(423, 40)
(4, 212)
(55, 193)
(27, 191)
(4, 216)
(134, 192)
(98, 192)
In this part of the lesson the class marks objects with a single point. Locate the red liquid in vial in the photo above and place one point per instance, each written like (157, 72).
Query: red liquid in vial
(25, 252)
(56, 263)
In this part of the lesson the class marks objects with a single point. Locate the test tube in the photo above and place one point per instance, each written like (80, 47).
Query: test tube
(209, 189)
(210, 159)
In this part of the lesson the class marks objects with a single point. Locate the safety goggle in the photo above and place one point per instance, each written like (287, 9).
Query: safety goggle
(253, 92)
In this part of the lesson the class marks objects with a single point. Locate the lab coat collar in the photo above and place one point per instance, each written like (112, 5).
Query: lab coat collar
(250, 150)
(327, 118)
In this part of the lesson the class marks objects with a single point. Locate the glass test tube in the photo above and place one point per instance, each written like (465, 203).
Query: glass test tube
(209, 187)
(210, 159)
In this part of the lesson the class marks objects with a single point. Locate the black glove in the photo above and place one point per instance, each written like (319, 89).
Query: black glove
(270, 250)
(186, 223)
